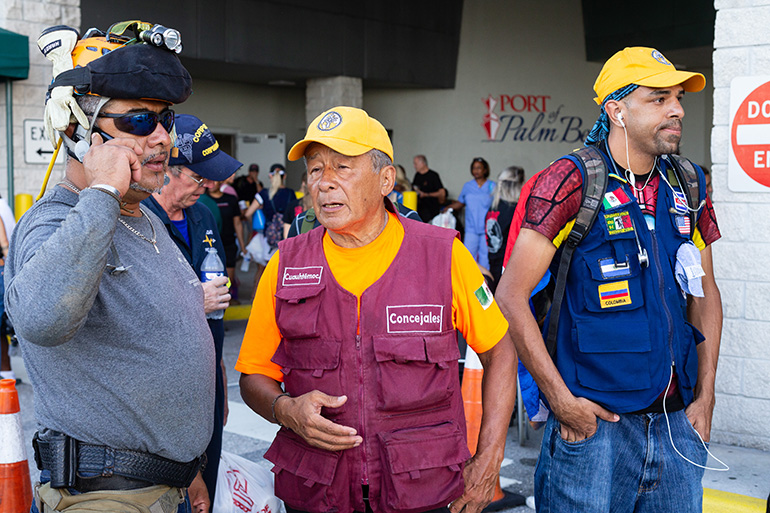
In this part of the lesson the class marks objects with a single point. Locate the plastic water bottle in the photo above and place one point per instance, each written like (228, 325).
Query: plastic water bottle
(212, 267)
(245, 263)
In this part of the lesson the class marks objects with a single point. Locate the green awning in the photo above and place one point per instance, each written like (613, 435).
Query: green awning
(14, 55)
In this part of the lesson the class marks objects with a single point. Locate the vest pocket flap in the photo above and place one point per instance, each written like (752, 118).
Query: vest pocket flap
(442, 348)
(604, 267)
(410, 451)
(310, 465)
(317, 354)
(399, 349)
(593, 337)
(294, 295)
(432, 349)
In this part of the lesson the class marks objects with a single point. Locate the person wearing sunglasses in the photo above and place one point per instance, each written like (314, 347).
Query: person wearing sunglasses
(109, 316)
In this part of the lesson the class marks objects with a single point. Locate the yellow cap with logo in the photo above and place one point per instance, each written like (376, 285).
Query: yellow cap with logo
(645, 67)
(346, 130)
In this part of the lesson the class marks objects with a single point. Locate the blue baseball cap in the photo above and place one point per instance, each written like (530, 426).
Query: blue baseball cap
(199, 150)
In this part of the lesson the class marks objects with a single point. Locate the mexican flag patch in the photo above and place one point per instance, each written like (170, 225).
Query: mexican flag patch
(484, 295)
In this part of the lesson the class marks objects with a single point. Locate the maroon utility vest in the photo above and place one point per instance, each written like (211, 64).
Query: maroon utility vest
(400, 375)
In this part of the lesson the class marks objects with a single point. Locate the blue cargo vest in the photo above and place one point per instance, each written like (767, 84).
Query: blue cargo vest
(623, 324)
(399, 372)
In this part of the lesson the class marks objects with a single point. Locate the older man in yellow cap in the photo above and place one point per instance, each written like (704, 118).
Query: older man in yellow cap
(357, 319)
(634, 332)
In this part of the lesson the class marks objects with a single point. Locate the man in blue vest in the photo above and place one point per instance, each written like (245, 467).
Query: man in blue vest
(631, 385)
(198, 164)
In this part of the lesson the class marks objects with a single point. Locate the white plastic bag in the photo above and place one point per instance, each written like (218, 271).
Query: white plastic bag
(259, 249)
(244, 487)
(445, 220)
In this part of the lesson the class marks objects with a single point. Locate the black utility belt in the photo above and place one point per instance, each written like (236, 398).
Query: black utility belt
(71, 462)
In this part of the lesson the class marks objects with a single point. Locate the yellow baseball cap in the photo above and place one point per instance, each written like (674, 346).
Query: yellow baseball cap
(346, 130)
(645, 67)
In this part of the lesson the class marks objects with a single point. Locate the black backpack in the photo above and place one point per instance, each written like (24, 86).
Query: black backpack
(595, 171)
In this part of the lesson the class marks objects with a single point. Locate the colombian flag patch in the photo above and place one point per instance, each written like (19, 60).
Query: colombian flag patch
(614, 294)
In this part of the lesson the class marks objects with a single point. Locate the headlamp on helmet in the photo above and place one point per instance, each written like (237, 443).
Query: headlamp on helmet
(135, 31)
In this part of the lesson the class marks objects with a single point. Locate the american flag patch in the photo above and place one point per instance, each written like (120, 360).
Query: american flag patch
(683, 224)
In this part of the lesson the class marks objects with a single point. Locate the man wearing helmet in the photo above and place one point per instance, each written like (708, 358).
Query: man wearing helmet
(110, 315)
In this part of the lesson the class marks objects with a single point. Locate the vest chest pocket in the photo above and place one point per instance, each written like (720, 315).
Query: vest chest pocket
(303, 474)
(311, 364)
(422, 467)
(615, 283)
(416, 372)
(296, 310)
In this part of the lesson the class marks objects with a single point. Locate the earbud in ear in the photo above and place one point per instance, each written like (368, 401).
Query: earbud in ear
(619, 117)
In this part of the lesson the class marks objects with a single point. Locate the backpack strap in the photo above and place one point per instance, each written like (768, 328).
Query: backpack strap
(595, 176)
(687, 178)
(308, 223)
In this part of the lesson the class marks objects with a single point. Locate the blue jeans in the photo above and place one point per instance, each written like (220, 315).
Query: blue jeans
(627, 466)
(477, 245)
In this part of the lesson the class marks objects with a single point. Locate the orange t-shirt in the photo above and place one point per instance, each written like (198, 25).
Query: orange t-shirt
(481, 325)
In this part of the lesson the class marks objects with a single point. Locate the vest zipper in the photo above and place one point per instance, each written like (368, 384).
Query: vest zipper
(361, 408)
(661, 291)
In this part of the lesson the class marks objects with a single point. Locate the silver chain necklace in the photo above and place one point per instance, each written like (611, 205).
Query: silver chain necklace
(139, 234)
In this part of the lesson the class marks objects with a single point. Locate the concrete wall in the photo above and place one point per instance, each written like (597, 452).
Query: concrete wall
(243, 108)
(518, 49)
(29, 18)
(742, 415)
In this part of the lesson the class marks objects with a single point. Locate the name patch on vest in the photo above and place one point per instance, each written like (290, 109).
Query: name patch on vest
(302, 275)
(415, 318)
(614, 294)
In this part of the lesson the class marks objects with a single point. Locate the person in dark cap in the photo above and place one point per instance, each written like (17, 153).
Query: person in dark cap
(109, 315)
(198, 165)
(248, 186)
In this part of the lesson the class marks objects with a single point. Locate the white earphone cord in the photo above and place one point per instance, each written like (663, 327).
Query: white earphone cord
(700, 206)
(665, 414)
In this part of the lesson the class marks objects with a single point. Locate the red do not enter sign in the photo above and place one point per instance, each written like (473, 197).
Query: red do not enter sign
(750, 135)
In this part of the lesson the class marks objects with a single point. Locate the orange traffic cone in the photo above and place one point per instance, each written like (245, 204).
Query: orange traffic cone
(471, 390)
(15, 486)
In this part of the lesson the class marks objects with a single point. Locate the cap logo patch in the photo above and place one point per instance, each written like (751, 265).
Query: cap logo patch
(184, 143)
(659, 57)
(330, 121)
(211, 149)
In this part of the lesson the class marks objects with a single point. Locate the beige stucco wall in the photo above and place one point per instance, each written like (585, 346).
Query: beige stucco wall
(511, 48)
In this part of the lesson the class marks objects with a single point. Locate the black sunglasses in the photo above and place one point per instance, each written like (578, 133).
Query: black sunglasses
(142, 122)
